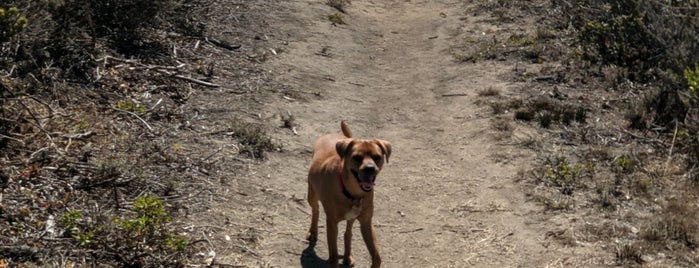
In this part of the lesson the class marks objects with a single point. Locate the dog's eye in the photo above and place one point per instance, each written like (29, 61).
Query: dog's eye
(357, 158)
(376, 158)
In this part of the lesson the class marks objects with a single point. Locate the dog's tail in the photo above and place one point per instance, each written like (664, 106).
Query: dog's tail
(345, 129)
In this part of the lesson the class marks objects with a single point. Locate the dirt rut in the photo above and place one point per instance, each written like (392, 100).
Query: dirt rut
(448, 198)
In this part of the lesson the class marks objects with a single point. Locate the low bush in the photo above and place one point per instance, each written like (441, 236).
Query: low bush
(655, 44)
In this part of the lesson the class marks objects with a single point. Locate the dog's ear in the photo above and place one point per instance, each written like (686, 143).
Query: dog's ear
(385, 147)
(344, 146)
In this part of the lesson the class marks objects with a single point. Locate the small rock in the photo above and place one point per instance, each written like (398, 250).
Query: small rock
(634, 230)
(647, 258)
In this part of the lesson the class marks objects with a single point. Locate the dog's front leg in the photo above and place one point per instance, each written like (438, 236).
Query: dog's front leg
(331, 225)
(370, 241)
(348, 260)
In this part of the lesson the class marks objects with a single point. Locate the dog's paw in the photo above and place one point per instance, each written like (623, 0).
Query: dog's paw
(312, 237)
(348, 261)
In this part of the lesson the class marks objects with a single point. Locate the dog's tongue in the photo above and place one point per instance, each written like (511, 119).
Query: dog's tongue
(367, 184)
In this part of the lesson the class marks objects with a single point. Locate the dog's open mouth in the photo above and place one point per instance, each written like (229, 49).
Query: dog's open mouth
(366, 182)
(367, 186)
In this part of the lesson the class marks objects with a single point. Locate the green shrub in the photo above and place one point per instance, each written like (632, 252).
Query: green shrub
(639, 34)
(692, 77)
(337, 18)
(655, 41)
(559, 172)
(150, 217)
(11, 23)
(149, 230)
(73, 221)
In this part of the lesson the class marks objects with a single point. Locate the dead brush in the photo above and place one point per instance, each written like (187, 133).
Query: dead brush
(677, 225)
(253, 138)
(547, 112)
(338, 4)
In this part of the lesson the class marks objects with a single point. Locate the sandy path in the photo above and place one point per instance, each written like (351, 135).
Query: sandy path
(443, 201)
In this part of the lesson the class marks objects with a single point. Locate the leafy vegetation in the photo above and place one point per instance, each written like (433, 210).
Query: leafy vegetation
(337, 18)
(559, 172)
(12, 22)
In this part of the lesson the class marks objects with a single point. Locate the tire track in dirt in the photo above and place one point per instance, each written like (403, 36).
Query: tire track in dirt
(444, 200)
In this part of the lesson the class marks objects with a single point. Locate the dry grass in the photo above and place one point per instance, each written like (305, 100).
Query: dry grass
(489, 92)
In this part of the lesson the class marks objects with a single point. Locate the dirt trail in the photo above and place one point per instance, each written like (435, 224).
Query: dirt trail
(448, 197)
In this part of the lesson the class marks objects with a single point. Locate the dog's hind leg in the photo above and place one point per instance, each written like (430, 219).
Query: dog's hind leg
(312, 235)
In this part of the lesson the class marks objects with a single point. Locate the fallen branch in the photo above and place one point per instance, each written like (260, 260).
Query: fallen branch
(19, 251)
(643, 138)
(161, 69)
(222, 44)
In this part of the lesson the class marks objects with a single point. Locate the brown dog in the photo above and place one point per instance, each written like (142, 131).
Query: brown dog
(342, 175)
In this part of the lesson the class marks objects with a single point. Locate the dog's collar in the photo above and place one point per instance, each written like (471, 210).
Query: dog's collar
(342, 184)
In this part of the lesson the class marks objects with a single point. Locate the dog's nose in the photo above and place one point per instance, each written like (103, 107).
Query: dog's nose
(369, 168)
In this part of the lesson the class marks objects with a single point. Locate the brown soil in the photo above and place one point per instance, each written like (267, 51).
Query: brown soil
(450, 196)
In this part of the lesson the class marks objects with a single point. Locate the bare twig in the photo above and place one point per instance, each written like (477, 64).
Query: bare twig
(669, 154)
(454, 94)
(134, 115)
(197, 81)
(411, 231)
(212, 154)
(11, 138)
(78, 135)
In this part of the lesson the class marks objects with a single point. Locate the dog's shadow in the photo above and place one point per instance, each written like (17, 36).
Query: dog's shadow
(309, 258)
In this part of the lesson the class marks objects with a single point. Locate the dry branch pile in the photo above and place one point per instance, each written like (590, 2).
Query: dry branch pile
(93, 97)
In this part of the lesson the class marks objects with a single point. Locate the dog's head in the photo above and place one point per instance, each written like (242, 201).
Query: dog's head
(364, 159)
